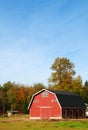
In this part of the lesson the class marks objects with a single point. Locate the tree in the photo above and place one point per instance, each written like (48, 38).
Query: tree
(77, 85)
(37, 87)
(8, 95)
(1, 100)
(85, 91)
(62, 75)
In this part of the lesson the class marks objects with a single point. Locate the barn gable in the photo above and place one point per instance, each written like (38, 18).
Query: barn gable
(39, 93)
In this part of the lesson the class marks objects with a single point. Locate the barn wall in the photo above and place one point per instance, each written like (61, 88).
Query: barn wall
(45, 107)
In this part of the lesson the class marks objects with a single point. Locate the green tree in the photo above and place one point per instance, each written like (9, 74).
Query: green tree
(4, 103)
(62, 75)
(7, 86)
(9, 95)
(38, 87)
(1, 99)
(85, 91)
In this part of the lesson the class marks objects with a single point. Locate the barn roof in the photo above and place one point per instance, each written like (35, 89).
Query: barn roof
(69, 100)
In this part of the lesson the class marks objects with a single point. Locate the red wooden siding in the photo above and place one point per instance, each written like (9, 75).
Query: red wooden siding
(45, 106)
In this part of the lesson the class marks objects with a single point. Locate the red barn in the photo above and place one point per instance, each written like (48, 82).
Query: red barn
(48, 104)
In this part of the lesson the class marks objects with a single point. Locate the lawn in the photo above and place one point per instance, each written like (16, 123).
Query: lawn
(24, 123)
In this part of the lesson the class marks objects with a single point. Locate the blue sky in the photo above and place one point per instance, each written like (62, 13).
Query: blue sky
(35, 32)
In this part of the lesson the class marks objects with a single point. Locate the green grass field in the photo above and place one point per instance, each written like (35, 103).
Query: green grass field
(24, 123)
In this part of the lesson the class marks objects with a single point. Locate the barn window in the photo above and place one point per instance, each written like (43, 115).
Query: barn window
(45, 94)
(53, 100)
(35, 100)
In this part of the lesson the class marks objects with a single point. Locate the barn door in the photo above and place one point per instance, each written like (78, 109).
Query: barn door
(44, 113)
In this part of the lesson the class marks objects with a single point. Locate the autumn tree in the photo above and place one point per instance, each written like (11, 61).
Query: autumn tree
(77, 86)
(62, 75)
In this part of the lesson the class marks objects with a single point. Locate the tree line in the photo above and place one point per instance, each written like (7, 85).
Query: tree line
(15, 96)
